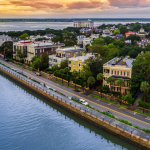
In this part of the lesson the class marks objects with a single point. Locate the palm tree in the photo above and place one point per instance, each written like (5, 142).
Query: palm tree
(144, 87)
(55, 67)
(75, 75)
(38, 61)
(67, 70)
(6, 50)
(100, 77)
(110, 80)
(91, 80)
(61, 71)
(120, 82)
(83, 75)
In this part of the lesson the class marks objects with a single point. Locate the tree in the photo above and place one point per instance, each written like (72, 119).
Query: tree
(75, 75)
(66, 70)
(116, 32)
(91, 80)
(61, 71)
(83, 76)
(44, 61)
(108, 40)
(100, 77)
(123, 30)
(55, 67)
(56, 38)
(24, 36)
(86, 46)
(70, 43)
(120, 82)
(144, 87)
(133, 38)
(37, 64)
(98, 41)
(110, 80)
(64, 64)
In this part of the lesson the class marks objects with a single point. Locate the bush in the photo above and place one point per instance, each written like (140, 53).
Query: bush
(126, 122)
(48, 69)
(51, 89)
(116, 94)
(105, 89)
(141, 104)
(25, 76)
(128, 98)
(105, 113)
(76, 100)
(146, 130)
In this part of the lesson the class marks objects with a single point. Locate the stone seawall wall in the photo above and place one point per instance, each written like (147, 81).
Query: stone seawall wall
(100, 123)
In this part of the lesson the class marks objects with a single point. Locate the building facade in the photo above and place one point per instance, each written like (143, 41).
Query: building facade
(77, 62)
(142, 34)
(80, 24)
(118, 68)
(64, 53)
(4, 38)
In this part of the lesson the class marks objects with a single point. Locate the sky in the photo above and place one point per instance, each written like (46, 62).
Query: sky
(74, 8)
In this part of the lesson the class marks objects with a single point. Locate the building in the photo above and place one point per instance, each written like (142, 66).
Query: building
(80, 24)
(64, 53)
(31, 49)
(4, 38)
(118, 36)
(94, 36)
(77, 62)
(129, 33)
(86, 30)
(118, 68)
(86, 41)
(142, 33)
(143, 42)
(107, 32)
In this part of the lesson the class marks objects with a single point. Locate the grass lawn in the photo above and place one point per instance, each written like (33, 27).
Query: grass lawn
(122, 106)
(140, 112)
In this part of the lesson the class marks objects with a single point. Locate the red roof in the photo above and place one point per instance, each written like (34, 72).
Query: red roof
(130, 32)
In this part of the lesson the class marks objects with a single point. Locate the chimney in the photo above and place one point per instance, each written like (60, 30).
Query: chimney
(74, 55)
(123, 62)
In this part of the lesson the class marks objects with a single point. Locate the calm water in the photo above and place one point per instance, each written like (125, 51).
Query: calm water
(28, 122)
(20, 26)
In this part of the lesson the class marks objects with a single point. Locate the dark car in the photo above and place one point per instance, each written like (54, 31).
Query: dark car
(109, 112)
(75, 98)
(21, 73)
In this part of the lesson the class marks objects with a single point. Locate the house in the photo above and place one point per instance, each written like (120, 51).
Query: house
(118, 68)
(31, 49)
(77, 62)
(86, 41)
(64, 53)
(142, 33)
(79, 24)
(143, 42)
(94, 36)
(4, 38)
(86, 30)
(107, 32)
(113, 28)
(118, 36)
(129, 33)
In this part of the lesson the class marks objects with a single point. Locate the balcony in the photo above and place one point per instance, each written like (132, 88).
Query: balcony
(106, 74)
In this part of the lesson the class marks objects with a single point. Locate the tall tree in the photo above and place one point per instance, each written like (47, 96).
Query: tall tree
(91, 80)
(83, 76)
(61, 71)
(66, 70)
(75, 75)
(24, 36)
(120, 82)
(110, 80)
(100, 77)
(144, 87)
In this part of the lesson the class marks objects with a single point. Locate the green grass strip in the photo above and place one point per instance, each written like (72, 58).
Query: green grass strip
(122, 106)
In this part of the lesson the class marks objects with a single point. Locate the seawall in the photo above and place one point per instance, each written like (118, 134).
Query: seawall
(100, 123)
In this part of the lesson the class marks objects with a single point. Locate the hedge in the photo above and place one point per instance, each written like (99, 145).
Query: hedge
(78, 81)
(141, 104)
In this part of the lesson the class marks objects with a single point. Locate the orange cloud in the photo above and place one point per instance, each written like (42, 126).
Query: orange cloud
(85, 4)
(37, 5)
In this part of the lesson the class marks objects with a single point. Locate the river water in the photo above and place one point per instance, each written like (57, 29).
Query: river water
(29, 122)
(20, 26)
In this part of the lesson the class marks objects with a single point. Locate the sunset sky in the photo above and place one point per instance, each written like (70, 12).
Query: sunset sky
(74, 8)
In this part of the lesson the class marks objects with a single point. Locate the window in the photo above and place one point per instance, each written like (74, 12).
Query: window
(118, 89)
(40, 50)
(118, 73)
(76, 53)
(104, 70)
(79, 64)
(115, 72)
(36, 51)
(74, 63)
(43, 50)
(112, 71)
(127, 73)
(78, 69)
(124, 73)
(73, 69)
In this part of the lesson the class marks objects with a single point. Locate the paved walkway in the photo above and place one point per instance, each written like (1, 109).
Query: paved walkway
(139, 97)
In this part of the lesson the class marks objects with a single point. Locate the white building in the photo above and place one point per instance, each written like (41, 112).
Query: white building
(4, 38)
(79, 24)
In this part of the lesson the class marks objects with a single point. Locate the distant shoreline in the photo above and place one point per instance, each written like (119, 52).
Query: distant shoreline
(72, 21)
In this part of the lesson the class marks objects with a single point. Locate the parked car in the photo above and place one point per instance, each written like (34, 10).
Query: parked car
(109, 112)
(21, 73)
(84, 102)
(38, 73)
(31, 78)
(76, 98)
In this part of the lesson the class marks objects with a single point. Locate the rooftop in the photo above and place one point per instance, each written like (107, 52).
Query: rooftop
(118, 61)
(82, 58)
(70, 49)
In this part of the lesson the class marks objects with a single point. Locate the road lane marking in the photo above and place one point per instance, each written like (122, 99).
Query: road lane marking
(83, 98)
(109, 104)
(135, 113)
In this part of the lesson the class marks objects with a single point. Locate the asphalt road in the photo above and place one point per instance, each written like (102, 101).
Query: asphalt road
(136, 119)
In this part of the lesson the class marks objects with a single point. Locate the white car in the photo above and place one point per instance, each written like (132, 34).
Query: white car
(84, 102)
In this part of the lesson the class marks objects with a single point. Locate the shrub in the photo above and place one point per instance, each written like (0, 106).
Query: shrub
(105, 89)
(105, 113)
(125, 121)
(25, 76)
(141, 104)
(51, 89)
(76, 100)
(128, 98)
(48, 69)
(146, 130)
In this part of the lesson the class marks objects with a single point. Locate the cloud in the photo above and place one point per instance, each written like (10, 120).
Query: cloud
(85, 4)
(129, 3)
(37, 5)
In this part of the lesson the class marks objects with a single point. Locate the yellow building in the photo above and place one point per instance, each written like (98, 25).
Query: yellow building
(76, 63)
